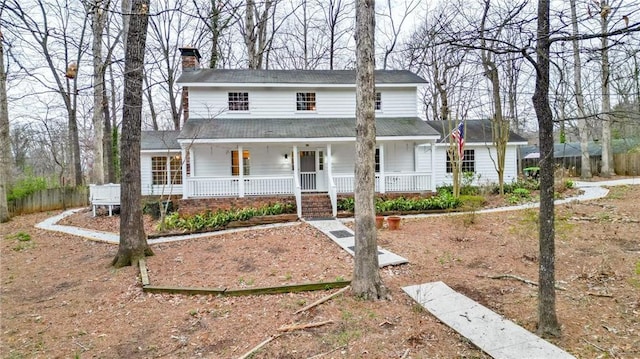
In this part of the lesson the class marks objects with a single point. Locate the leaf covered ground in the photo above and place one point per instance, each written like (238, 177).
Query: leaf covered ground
(61, 299)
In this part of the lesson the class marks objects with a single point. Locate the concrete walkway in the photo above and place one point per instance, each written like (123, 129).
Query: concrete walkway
(495, 335)
(345, 238)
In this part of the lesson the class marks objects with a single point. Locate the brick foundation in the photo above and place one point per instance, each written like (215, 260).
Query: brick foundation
(200, 205)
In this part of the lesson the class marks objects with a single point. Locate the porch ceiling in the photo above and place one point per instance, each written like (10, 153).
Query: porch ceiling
(301, 128)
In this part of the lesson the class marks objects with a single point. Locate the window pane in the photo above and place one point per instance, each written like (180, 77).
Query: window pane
(235, 163)
(238, 101)
(468, 162)
(176, 170)
(159, 170)
(378, 101)
(377, 159)
(306, 101)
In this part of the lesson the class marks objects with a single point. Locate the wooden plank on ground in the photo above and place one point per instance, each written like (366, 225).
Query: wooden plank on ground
(143, 272)
(247, 291)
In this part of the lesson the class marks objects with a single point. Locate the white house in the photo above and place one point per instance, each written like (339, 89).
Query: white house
(291, 132)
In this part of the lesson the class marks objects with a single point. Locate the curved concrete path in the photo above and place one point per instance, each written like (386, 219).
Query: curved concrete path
(592, 190)
(488, 330)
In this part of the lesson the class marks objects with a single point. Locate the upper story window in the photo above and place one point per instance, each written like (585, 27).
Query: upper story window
(306, 101)
(238, 101)
(378, 101)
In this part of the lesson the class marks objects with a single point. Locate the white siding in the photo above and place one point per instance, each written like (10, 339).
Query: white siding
(215, 161)
(281, 103)
(484, 165)
(147, 187)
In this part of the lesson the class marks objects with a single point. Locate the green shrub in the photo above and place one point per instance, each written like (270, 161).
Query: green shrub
(472, 201)
(444, 200)
(219, 219)
(26, 186)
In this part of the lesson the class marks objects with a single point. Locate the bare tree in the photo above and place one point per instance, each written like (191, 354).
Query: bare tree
(50, 40)
(97, 10)
(133, 241)
(255, 31)
(547, 319)
(5, 144)
(500, 126)
(395, 25)
(335, 13)
(585, 167)
(366, 281)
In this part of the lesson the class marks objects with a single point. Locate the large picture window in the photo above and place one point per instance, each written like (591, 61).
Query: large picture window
(238, 101)
(306, 101)
(166, 169)
(468, 162)
(235, 163)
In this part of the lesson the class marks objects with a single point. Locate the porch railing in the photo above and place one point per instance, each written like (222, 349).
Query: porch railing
(394, 182)
(231, 186)
(308, 181)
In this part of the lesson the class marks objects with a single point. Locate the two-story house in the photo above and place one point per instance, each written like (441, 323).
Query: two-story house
(288, 133)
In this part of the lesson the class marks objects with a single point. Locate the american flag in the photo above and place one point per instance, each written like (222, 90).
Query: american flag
(458, 136)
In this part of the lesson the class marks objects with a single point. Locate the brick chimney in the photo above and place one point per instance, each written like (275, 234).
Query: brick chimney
(190, 62)
(190, 58)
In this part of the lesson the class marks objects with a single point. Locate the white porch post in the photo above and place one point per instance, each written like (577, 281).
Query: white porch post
(382, 188)
(329, 163)
(433, 166)
(183, 167)
(240, 171)
(296, 166)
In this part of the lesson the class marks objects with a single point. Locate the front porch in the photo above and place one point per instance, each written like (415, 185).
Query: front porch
(279, 170)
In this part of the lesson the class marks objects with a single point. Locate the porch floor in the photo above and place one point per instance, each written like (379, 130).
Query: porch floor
(344, 237)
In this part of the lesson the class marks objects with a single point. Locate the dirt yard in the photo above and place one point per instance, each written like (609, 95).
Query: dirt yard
(61, 299)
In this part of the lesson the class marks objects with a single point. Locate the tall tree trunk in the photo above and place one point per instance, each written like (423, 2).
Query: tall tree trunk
(5, 141)
(133, 241)
(99, 17)
(547, 320)
(366, 281)
(500, 127)
(585, 163)
(74, 138)
(607, 155)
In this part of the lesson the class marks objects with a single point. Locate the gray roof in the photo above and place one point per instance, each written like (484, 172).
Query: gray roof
(319, 77)
(299, 128)
(572, 149)
(476, 131)
(159, 140)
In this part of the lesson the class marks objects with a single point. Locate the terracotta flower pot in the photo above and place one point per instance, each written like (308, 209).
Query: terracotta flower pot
(394, 222)
(379, 221)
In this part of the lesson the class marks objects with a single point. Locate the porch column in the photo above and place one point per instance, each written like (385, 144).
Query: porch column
(240, 172)
(329, 164)
(433, 166)
(382, 179)
(183, 167)
(296, 165)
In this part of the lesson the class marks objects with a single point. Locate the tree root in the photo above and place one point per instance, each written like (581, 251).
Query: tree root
(523, 280)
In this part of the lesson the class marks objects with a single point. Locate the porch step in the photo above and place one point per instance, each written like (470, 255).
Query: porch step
(316, 205)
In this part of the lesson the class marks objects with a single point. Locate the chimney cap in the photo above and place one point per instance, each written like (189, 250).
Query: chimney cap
(190, 51)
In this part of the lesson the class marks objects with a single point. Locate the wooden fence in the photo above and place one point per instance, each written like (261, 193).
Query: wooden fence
(50, 199)
(627, 164)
